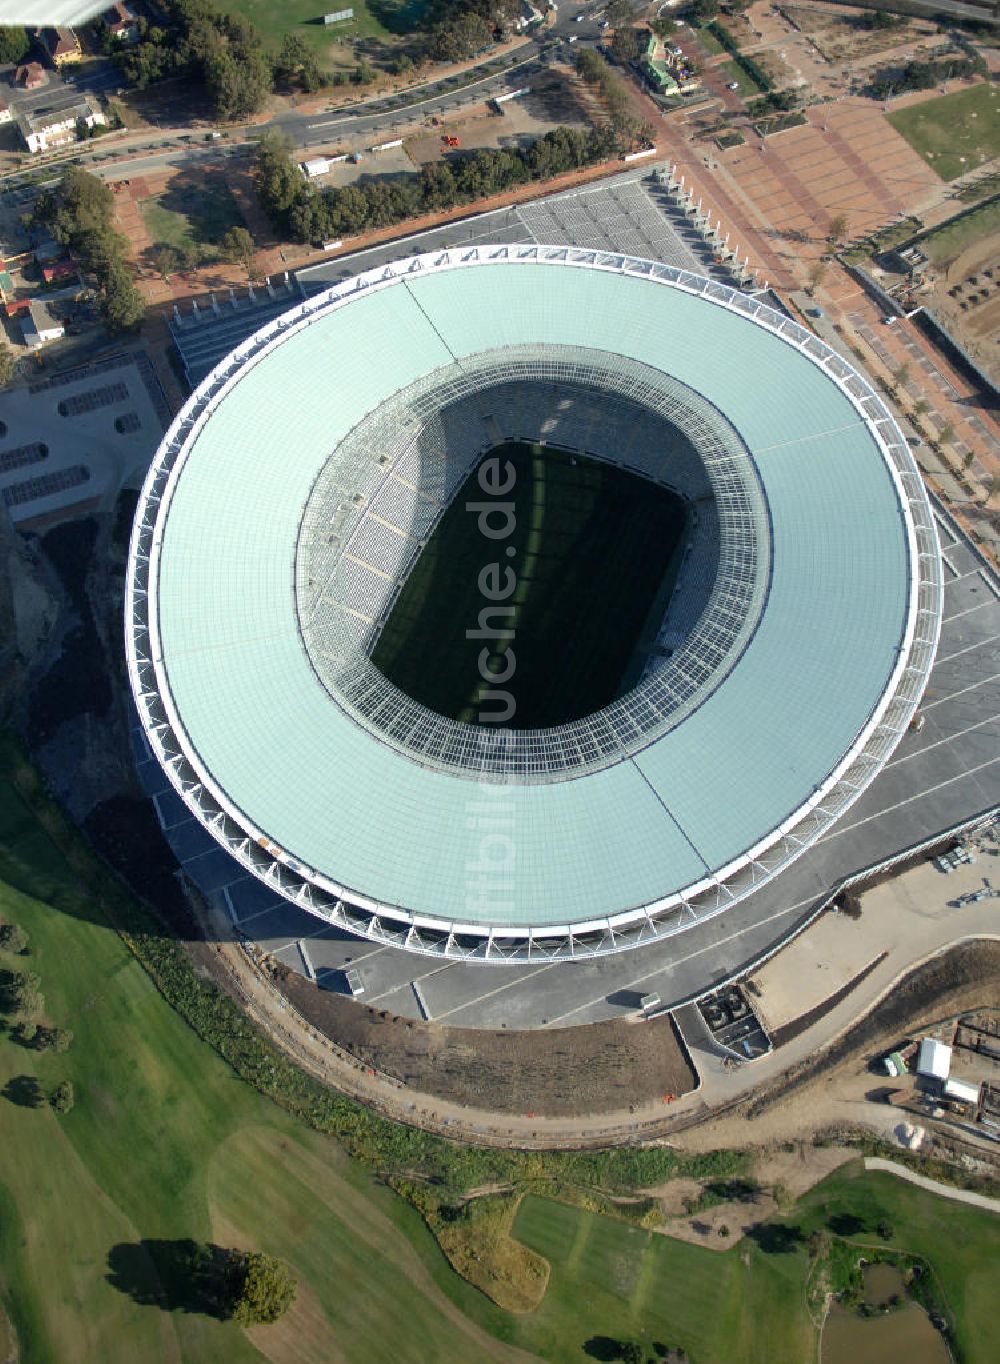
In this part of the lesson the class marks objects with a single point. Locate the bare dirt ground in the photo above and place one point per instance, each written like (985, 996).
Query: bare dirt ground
(553, 100)
(836, 1087)
(554, 1072)
(967, 298)
(792, 1169)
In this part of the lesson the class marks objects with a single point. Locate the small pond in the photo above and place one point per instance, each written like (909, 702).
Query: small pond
(906, 1333)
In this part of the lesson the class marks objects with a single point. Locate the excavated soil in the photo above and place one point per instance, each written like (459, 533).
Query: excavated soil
(551, 1072)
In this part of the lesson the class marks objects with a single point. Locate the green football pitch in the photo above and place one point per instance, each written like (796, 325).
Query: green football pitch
(593, 552)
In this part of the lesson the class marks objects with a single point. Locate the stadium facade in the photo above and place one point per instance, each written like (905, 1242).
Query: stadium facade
(297, 487)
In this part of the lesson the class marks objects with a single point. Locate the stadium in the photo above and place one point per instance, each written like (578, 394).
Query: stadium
(697, 523)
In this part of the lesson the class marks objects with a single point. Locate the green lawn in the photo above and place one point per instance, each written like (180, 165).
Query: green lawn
(379, 19)
(165, 1143)
(709, 42)
(749, 88)
(748, 1305)
(593, 551)
(193, 214)
(950, 240)
(609, 1279)
(955, 133)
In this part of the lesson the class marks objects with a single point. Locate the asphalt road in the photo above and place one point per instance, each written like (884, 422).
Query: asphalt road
(368, 118)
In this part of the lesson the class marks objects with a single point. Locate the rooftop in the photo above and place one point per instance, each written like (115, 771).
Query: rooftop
(821, 692)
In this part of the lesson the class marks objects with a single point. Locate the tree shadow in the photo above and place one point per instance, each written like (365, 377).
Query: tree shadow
(176, 1276)
(847, 1224)
(604, 1348)
(24, 1091)
(775, 1238)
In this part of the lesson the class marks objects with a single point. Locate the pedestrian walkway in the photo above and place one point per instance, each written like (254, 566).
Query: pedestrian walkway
(890, 1167)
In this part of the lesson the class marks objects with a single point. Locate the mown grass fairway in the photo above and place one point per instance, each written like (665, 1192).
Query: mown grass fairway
(955, 133)
(165, 1144)
(593, 551)
(609, 1279)
(749, 1304)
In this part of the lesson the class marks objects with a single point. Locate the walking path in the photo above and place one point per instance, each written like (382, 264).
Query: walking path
(931, 1185)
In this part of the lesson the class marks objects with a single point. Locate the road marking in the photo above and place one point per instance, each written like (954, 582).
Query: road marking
(968, 611)
(928, 791)
(955, 694)
(330, 123)
(946, 658)
(499, 989)
(919, 752)
(678, 961)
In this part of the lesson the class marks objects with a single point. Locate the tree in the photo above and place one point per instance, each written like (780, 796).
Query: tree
(619, 13)
(12, 936)
(947, 434)
(292, 54)
(992, 484)
(238, 81)
(705, 10)
(8, 364)
(364, 72)
(817, 273)
(14, 45)
(239, 245)
(261, 1288)
(20, 992)
(839, 226)
(885, 1230)
(625, 44)
(62, 1097)
(818, 1244)
(25, 1032)
(967, 460)
(166, 260)
(122, 306)
(903, 375)
(54, 1039)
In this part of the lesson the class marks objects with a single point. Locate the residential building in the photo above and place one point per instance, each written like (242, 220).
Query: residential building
(39, 326)
(5, 115)
(30, 76)
(122, 22)
(43, 129)
(63, 46)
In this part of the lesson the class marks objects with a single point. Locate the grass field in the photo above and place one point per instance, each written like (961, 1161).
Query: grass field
(372, 19)
(749, 1304)
(709, 41)
(164, 1144)
(748, 87)
(955, 133)
(192, 216)
(594, 552)
(948, 242)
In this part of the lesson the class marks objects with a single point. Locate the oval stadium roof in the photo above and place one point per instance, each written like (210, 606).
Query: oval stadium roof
(366, 834)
